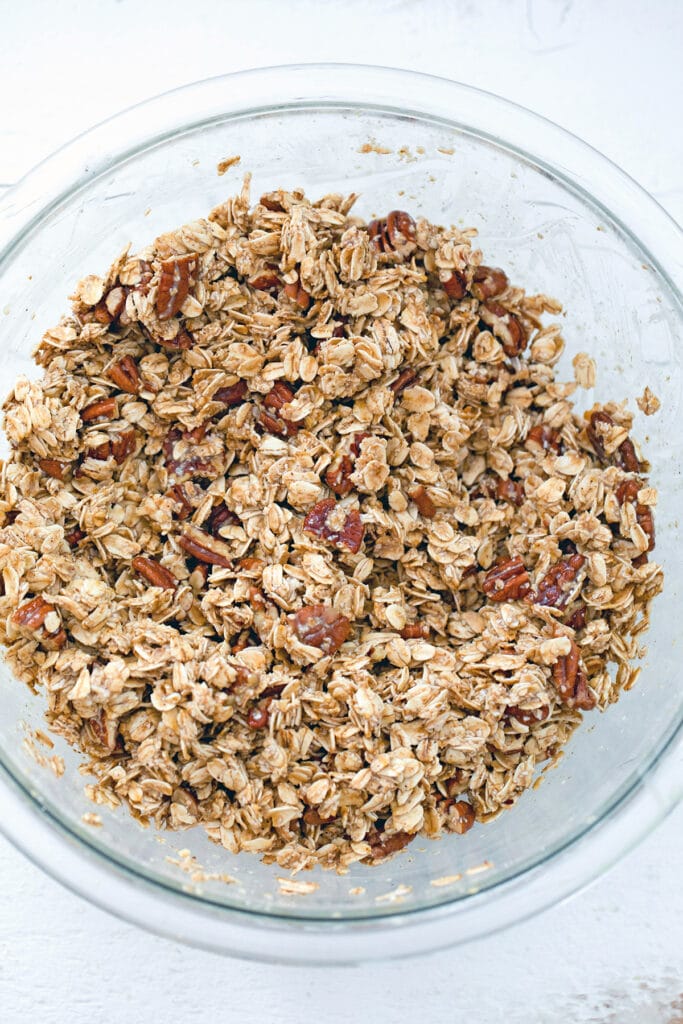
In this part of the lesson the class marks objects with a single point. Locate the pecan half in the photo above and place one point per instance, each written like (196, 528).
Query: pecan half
(338, 476)
(455, 286)
(204, 550)
(546, 437)
(529, 717)
(488, 282)
(511, 491)
(125, 375)
(570, 681)
(103, 408)
(54, 468)
(425, 505)
(556, 588)
(270, 416)
(298, 294)
(319, 625)
(156, 574)
(175, 283)
(508, 580)
(332, 523)
(383, 844)
(506, 326)
(627, 458)
(234, 394)
(394, 233)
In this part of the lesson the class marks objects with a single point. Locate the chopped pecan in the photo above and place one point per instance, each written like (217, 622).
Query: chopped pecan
(332, 523)
(156, 574)
(312, 817)
(274, 205)
(640, 560)
(187, 465)
(576, 619)
(546, 437)
(570, 681)
(394, 233)
(103, 408)
(415, 631)
(74, 537)
(556, 588)
(270, 416)
(511, 491)
(221, 516)
(181, 498)
(529, 716)
(204, 550)
(508, 580)
(404, 380)
(595, 430)
(506, 326)
(175, 283)
(383, 844)
(319, 625)
(627, 458)
(455, 286)
(101, 452)
(338, 476)
(123, 445)
(298, 294)
(198, 433)
(232, 395)
(180, 343)
(357, 442)
(125, 375)
(425, 505)
(488, 282)
(32, 615)
(53, 468)
(460, 817)
(111, 306)
(265, 282)
(105, 732)
(258, 718)
(628, 491)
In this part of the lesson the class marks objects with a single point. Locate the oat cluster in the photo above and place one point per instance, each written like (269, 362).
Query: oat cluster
(303, 541)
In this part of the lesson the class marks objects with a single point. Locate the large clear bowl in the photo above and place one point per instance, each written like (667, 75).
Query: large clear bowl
(564, 221)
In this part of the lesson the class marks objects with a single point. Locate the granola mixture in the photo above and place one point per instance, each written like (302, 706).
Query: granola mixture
(304, 542)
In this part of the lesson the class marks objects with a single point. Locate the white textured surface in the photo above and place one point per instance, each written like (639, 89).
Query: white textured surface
(608, 70)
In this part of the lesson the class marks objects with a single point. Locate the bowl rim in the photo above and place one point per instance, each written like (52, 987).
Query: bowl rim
(86, 869)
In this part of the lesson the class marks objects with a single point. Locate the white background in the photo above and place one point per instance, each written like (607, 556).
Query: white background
(609, 70)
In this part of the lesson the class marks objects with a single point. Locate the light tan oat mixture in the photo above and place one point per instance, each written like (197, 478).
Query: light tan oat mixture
(302, 538)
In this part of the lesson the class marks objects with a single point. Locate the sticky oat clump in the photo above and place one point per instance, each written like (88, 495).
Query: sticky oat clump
(304, 542)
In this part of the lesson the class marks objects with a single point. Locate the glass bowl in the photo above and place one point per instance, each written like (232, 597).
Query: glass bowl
(564, 221)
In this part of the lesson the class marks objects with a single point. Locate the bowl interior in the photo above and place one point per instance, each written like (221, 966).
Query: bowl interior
(553, 239)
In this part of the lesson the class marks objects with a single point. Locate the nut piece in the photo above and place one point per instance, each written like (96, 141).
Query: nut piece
(505, 325)
(182, 465)
(599, 423)
(123, 445)
(487, 282)
(176, 281)
(338, 476)
(270, 419)
(404, 380)
(221, 516)
(511, 491)
(455, 286)
(545, 436)
(103, 408)
(74, 537)
(204, 550)
(156, 574)
(529, 717)
(415, 631)
(425, 505)
(181, 498)
(53, 468)
(394, 233)
(33, 615)
(232, 395)
(181, 343)
(576, 620)
(319, 625)
(330, 521)
(508, 580)
(460, 817)
(383, 844)
(297, 294)
(570, 681)
(555, 589)
(628, 491)
(627, 458)
(125, 375)
(265, 282)
(258, 718)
